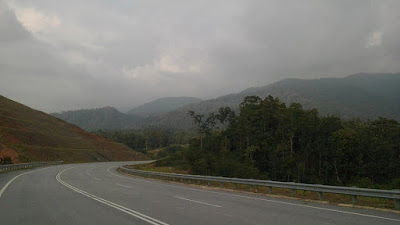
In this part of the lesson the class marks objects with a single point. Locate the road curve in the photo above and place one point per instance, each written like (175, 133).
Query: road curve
(95, 193)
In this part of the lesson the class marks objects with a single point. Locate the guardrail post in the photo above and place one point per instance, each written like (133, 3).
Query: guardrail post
(320, 195)
(189, 181)
(198, 181)
(354, 199)
(293, 192)
(397, 203)
(221, 184)
(270, 189)
(234, 186)
(208, 183)
(251, 187)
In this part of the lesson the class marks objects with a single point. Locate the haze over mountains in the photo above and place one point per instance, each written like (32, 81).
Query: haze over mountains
(107, 118)
(367, 96)
(162, 105)
(30, 135)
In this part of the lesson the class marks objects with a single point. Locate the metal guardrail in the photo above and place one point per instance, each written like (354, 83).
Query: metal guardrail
(9, 167)
(320, 189)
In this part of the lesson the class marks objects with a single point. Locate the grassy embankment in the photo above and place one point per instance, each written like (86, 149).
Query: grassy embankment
(28, 135)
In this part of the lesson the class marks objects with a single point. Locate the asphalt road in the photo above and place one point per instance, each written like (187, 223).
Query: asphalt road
(97, 194)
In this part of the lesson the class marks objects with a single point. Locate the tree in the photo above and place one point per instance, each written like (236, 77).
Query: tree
(204, 126)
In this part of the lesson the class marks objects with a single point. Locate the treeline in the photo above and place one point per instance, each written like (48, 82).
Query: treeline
(148, 139)
(269, 140)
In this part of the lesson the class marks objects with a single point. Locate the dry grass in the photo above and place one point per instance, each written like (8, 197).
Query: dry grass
(37, 136)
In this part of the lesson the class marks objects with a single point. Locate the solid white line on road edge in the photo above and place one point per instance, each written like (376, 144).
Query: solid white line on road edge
(109, 203)
(122, 185)
(9, 182)
(190, 200)
(256, 198)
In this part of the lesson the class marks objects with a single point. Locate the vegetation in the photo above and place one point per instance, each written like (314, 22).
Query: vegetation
(5, 160)
(30, 135)
(164, 140)
(270, 140)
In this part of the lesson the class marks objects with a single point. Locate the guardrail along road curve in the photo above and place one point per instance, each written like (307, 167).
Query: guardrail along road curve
(96, 193)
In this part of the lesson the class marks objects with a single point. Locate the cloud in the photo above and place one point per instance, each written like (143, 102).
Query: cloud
(82, 54)
(36, 21)
(374, 39)
(174, 62)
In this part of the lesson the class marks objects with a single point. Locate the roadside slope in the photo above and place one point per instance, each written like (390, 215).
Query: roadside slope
(30, 135)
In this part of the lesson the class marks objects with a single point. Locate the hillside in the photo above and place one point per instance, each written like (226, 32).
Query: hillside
(162, 105)
(30, 135)
(106, 118)
(360, 95)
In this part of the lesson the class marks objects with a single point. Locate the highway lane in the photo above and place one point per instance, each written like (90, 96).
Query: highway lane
(97, 194)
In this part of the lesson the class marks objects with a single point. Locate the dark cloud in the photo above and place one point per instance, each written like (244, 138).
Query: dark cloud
(58, 56)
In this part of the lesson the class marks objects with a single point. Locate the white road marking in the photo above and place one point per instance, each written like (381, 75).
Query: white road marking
(9, 182)
(260, 199)
(122, 185)
(108, 170)
(97, 178)
(89, 171)
(109, 203)
(190, 200)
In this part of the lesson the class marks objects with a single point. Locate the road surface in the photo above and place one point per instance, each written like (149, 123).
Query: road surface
(95, 193)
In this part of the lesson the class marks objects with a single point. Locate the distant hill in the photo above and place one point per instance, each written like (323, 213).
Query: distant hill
(106, 118)
(30, 135)
(367, 96)
(360, 95)
(162, 105)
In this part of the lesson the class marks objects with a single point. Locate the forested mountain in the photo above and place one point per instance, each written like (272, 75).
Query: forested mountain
(162, 105)
(106, 118)
(30, 135)
(360, 95)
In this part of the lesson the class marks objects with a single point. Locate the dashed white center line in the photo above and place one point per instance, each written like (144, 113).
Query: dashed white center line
(121, 208)
(88, 171)
(253, 198)
(190, 200)
(123, 185)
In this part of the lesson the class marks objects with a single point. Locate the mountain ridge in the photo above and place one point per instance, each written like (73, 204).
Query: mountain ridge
(363, 95)
(104, 118)
(162, 105)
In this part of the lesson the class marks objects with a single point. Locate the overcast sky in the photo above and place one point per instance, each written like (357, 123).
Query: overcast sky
(66, 55)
